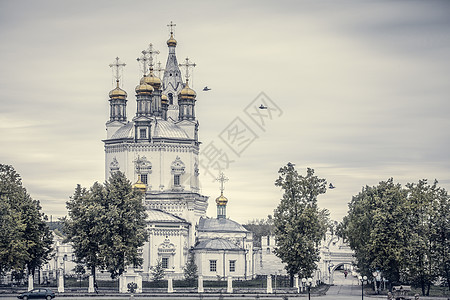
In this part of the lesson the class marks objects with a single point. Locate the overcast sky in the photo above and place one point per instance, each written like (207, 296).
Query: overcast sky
(359, 90)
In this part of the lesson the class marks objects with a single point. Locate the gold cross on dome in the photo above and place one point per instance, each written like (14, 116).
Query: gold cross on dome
(159, 69)
(151, 52)
(171, 25)
(118, 66)
(143, 60)
(222, 180)
(147, 56)
(187, 65)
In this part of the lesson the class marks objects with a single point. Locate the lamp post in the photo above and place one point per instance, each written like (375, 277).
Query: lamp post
(362, 279)
(309, 280)
(376, 277)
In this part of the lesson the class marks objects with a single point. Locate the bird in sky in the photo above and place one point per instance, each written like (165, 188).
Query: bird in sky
(331, 186)
(205, 89)
(262, 107)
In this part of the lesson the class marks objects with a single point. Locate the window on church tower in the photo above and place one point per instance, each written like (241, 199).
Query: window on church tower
(176, 179)
(144, 178)
(213, 265)
(170, 98)
(232, 265)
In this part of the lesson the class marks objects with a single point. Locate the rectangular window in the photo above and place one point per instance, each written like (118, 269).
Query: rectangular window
(232, 265)
(213, 265)
(165, 262)
(144, 178)
(176, 179)
(142, 133)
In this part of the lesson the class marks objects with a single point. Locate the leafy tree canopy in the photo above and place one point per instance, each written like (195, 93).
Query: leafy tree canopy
(403, 232)
(26, 241)
(106, 225)
(299, 224)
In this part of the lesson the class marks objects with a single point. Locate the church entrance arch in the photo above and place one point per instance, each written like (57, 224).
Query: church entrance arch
(346, 269)
(335, 255)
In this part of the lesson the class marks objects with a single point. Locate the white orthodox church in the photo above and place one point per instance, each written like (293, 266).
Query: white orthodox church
(158, 150)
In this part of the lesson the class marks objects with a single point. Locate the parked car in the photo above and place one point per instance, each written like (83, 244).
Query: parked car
(39, 293)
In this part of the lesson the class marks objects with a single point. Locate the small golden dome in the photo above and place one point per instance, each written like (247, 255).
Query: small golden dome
(144, 88)
(117, 93)
(171, 42)
(187, 92)
(164, 99)
(221, 200)
(139, 185)
(152, 80)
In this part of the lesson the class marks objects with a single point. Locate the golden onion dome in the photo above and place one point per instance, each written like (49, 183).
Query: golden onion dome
(171, 42)
(139, 185)
(152, 80)
(187, 92)
(144, 88)
(164, 99)
(221, 200)
(117, 93)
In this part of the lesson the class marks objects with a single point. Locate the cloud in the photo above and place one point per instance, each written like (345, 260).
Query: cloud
(363, 87)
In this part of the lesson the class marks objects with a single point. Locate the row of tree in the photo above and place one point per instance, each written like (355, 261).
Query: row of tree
(25, 239)
(404, 232)
(105, 224)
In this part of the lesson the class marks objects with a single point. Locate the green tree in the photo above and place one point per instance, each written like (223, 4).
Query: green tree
(157, 272)
(299, 224)
(375, 229)
(428, 234)
(441, 234)
(26, 241)
(403, 232)
(126, 231)
(106, 225)
(190, 269)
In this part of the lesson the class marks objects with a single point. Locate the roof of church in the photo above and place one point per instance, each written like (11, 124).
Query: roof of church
(156, 215)
(165, 129)
(124, 131)
(220, 225)
(162, 129)
(217, 244)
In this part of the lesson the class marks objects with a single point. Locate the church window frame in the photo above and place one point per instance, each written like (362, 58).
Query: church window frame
(144, 178)
(176, 179)
(142, 133)
(165, 262)
(213, 265)
(177, 170)
(232, 265)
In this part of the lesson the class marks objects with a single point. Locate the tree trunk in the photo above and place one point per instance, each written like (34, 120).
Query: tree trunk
(93, 273)
(422, 284)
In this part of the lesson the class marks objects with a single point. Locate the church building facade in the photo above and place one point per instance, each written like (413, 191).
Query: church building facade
(158, 151)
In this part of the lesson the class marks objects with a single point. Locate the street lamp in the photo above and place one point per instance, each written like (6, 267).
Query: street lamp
(362, 279)
(309, 280)
(376, 276)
